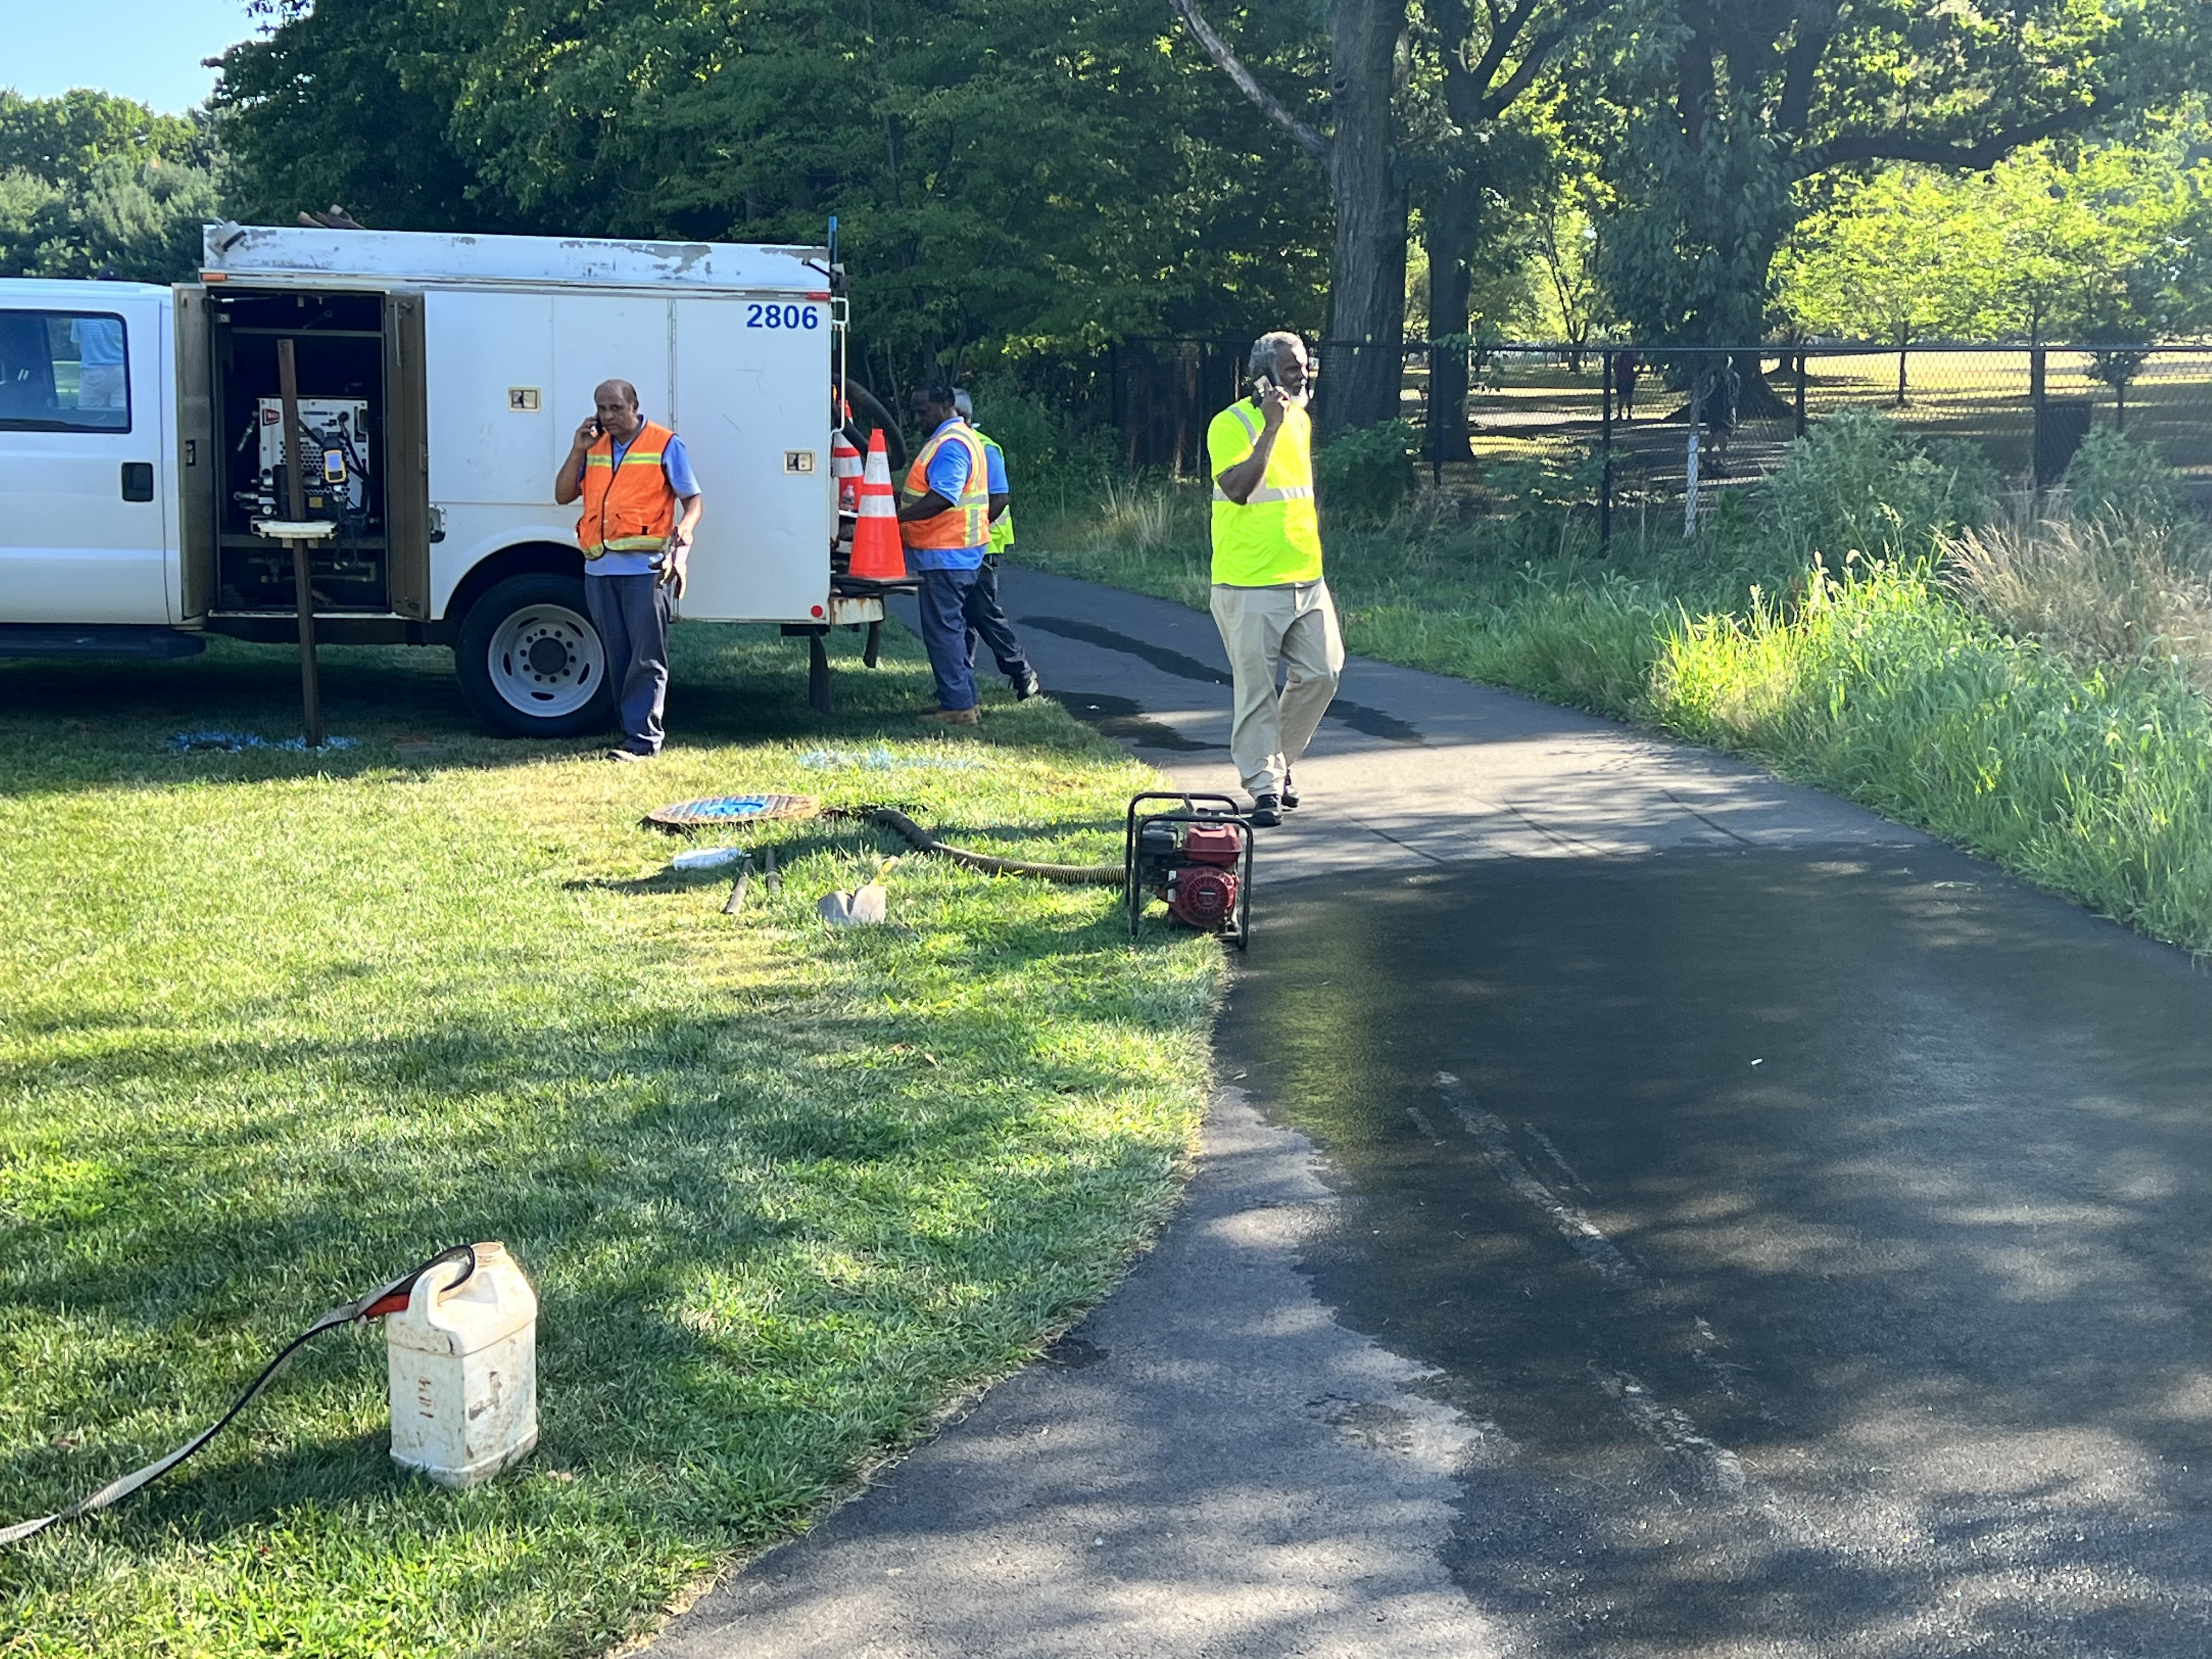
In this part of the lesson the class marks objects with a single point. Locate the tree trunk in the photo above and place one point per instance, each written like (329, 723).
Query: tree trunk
(1363, 368)
(1450, 221)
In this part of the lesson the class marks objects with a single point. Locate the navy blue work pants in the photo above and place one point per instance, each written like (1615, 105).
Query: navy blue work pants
(631, 613)
(986, 619)
(943, 600)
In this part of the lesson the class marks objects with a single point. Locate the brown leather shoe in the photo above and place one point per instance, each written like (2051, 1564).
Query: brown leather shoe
(951, 717)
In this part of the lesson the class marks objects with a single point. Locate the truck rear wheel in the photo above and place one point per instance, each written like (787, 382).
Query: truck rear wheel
(529, 662)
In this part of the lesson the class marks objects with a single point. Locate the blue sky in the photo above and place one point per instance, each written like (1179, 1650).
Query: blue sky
(149, 50)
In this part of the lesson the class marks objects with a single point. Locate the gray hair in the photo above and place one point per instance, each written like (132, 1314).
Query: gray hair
(1266, 351)
(963, 405)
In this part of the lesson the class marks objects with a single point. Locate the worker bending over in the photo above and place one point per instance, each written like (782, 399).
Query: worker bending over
(945, 522)
(986, 617)
(1269, 600)
(641, 510)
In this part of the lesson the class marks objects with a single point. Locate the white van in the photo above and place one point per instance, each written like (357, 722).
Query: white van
(442, 377)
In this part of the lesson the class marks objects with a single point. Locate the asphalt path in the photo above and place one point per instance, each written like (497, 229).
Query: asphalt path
(1651, 1210)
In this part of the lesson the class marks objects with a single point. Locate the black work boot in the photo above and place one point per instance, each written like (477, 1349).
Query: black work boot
(1290, 793)
(1266, 812)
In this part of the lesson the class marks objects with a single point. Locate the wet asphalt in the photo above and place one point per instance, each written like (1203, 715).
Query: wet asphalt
(1819, 1241)
(1653, 1211)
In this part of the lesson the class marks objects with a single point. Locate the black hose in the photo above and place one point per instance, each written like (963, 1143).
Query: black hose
(873, 406)
(1101, 875)
(362, 1307)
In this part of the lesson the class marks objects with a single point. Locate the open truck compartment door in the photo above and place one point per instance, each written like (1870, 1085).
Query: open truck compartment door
(407, 454)
(199, 463)
(362, 386)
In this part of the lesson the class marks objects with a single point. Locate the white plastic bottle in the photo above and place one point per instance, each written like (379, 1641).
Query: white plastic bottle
(464, 1364)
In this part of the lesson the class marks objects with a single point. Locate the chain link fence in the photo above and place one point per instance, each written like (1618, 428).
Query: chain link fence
(1619, 428)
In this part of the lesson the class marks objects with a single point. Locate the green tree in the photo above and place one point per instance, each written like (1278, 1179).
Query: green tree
(1412, 95)
(2100, 242)
(90, 182)
(1907, 255)
(2095, 242)
(1567, 253)
(1016, 180)
(1731, 106)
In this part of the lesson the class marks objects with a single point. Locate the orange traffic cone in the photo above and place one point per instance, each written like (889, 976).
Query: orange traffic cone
(877, 553)
(845, 462)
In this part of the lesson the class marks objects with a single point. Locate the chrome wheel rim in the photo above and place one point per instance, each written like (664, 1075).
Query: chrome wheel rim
(546, 660)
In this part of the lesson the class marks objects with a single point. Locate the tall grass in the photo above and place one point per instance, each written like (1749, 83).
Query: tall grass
(2095, 782)
(2105, 589)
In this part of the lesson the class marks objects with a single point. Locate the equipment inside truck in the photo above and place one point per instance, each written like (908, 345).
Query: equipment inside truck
(184, 519)
(339, 347)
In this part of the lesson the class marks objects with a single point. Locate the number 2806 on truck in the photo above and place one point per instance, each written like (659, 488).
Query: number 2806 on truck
(439, 379)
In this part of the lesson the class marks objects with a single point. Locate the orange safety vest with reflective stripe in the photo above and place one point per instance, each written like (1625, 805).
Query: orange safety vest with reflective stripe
(627, 508)
(968, 523)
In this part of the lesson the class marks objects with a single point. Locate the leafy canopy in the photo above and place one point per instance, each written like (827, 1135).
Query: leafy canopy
(1013, 178)
(2061, 242)
(92, 182)
(1727, 106)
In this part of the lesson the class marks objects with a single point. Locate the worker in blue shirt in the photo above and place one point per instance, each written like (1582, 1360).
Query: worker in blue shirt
(986, 616)
(101, 383)
(946, 522)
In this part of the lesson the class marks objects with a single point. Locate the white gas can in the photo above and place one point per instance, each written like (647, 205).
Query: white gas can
(464, 1362)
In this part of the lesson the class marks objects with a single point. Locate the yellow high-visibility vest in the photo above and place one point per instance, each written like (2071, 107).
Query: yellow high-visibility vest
(1275, 537)
(1002, 527)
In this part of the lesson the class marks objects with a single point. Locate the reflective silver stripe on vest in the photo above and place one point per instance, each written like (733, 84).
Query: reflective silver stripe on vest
(1262, 497)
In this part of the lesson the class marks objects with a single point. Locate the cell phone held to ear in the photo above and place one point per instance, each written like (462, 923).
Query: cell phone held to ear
(1261, 386)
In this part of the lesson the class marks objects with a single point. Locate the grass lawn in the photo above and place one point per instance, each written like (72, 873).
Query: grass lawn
(1528, 407)
(274, 1026)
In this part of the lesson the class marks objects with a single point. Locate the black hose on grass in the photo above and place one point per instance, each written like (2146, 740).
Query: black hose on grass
(1099, 875)
(386, 1299)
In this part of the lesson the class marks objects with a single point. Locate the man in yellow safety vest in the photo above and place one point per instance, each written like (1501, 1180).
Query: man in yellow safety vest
(1269, 600)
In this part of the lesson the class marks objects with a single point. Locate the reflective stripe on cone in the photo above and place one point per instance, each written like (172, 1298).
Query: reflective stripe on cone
(845, 462)
(878, 553)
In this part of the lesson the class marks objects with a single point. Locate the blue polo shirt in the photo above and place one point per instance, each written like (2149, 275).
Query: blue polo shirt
(947, 474)
(676, 467)
(99, 341)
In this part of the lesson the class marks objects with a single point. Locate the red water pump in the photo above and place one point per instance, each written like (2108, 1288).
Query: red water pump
(1197, 856)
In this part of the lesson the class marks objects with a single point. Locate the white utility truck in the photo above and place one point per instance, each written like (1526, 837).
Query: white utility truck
(439, 379)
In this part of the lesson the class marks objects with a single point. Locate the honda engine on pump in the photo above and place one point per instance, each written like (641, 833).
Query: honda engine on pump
(1196, 856)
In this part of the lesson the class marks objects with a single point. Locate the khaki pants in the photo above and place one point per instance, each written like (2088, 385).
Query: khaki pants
(1293, 626)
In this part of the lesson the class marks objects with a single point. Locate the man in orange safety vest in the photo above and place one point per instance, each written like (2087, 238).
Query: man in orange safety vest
(641, 510)
(945, 523)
